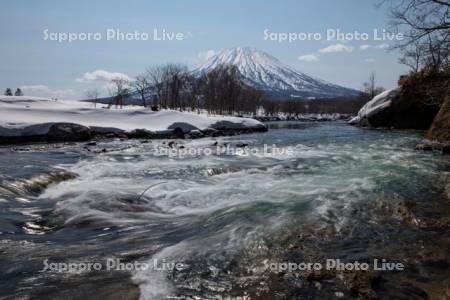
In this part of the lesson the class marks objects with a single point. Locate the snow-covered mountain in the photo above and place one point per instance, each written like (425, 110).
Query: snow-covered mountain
(263, 71)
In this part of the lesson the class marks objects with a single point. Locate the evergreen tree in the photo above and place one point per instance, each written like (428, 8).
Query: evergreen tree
(18, 92)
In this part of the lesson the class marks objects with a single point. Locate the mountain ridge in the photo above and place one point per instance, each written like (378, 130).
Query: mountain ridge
(265, 72)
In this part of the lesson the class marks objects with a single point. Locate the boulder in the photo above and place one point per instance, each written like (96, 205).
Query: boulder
(177, 133)
(212, 132)
(413, 105)
(435, 146)
(377, 111)
(140, 134)
(394, 109)
(185, 127)
(63, 132)
(424, 147)
(195, 134)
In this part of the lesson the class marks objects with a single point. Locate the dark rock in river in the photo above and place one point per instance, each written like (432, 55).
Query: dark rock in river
(195, 134)
(211, 132)
(241, 145)
(141, 134)
(68, 132)
(434, 146)
(424, 147)
(177, 133)
(185, 127)
(36, 184)
(446, 149)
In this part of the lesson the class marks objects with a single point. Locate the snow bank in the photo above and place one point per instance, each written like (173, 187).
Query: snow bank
(24, 116)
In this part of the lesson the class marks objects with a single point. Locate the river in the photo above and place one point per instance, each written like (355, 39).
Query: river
(203, 210)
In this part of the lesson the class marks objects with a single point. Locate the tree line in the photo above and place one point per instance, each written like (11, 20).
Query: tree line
(220, 91)
(173, 86)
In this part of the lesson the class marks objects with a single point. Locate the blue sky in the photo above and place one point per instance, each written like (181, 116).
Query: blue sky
(67, 70)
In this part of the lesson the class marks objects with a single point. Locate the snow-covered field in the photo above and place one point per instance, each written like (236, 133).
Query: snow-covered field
(25, 115)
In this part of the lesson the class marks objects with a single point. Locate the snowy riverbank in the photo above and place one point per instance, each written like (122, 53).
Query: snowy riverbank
(22, 118)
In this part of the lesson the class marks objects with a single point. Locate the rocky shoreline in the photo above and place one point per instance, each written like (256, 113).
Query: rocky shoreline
(305, 118)
(71, 132)
(430, 146)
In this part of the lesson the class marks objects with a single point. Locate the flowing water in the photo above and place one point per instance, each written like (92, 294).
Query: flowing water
(129, 203)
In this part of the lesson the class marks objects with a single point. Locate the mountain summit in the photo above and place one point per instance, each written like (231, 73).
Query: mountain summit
(264, 72)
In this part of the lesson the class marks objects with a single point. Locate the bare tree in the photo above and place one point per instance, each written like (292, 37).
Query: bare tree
(142, 86)
(93, 95)
(413, 56)
(175, 79)
(121, 89)
(370, 86)
(426, 28)
(420, 17)
(193, 89)
(169, 82)
(225, 92)
(155, 76)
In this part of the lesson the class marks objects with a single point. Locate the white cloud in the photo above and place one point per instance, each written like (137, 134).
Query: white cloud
(308, 58)
(369, 60)
(364, 47)
(102, 75)
(337, 48)
(45, 91)
(382, 46)
(206, 54)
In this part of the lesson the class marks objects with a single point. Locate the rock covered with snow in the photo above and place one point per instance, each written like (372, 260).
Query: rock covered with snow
(24, 118)
(400, 108)
(375, 109)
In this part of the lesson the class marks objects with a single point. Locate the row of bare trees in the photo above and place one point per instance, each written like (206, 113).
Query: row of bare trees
(220, 91)
(172, 86)
(224, 92)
